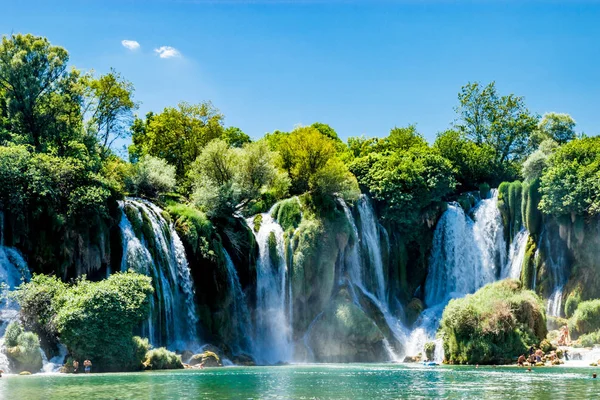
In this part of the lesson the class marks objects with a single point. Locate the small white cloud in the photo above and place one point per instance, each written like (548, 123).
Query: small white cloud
(167, 52)
(130, 44)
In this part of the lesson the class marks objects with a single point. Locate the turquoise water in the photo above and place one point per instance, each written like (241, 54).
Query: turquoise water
(353, 381)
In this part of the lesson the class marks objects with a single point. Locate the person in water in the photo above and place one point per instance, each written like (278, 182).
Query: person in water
(75, 366)
(521, 360)
(88, 366)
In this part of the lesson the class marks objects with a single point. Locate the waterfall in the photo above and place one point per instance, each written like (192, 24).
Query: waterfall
(273, 326)
(13, 272)
(371, 244)
(156, 250)
(466, 255)
(357, 270)
(555, 252)
(516, 256)
(242, 324)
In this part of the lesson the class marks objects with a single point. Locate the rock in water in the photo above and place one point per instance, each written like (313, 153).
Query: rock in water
(344, 333)
(208, 359)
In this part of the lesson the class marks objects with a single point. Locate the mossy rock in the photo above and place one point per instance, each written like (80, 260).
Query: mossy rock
(24, 373)
(207, 358)
(288, 213)
(244, 360)
(257, 222)
(344, 333)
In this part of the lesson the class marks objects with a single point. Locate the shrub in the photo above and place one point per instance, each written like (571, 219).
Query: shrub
(494, 325)
(194, 227)
(162, 358)
(586, 318)
(590, 339)
(153, 175)
(95, 320)
(289, 213)
(430, 350)
(572, 302)
(484, 191)
(22, 349)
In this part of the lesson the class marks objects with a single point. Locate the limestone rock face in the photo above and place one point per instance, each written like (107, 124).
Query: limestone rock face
(344, 333)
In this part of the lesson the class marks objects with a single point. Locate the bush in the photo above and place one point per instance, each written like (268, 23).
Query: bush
(572, 302)
(430, 350)
(22, 349)
(162, 358)
(590, 339)
(586, 318)
(484, 191)
(95, 320)
(494, 325)
(153, 175)
(194, 227)
(289, 213)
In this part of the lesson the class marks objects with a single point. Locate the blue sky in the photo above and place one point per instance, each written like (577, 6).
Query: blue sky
(361, 66)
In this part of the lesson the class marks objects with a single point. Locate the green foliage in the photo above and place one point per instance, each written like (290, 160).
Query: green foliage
(430, 350)
(177, 135)
(406, 181)
(257, 222)
(234, 137)
(572, 302)
(589, 339)
(95, 320)
(310, 160)
(162, 358)
(194, 227)
(228, 180)
(510, 199)
(22, 348)
(586, 318)
(494, 325)
(151, 176)
(501, 122)
(555, 126)
(532, 215)
(273, 251)
(528, 268)
(473, 163)
(571, 183)
(484, 190)
(289, 213)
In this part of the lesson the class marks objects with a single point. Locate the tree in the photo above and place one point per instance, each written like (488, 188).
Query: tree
(555, 126)
(226, 180)
(110, 106)
(178, 135)
(152, 176)
(31, 73)
(235, 137)
(502, 122)
(326, 130)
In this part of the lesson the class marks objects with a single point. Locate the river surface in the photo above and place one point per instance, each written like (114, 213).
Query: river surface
(349, 381)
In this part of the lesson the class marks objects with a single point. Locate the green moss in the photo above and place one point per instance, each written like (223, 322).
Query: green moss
(23, 349)
(515, 191)
(257, 222)
(135, 218)
(532, 215)
(289, 213)
(494, 325)
(528, 268)
(484, 191)
(273, 252)
(194, 228)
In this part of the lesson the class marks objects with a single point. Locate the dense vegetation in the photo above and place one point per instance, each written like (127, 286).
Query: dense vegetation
(95, 320)
(493, 326)
(61, 177)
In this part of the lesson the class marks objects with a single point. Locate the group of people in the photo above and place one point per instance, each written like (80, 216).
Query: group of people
(87, 365)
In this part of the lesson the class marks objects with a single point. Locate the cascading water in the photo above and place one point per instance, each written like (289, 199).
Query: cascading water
(273, 328)
(356, 270)
(241, 321)
(516, 256)
(13, 271)
(555, 251)
(156, 250)
(371, 244)
(466, 255)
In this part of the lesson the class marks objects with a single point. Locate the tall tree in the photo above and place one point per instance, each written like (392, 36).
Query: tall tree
(178, 135)
(31, 73)
(502, 122)
(558, 127)
(110, 106)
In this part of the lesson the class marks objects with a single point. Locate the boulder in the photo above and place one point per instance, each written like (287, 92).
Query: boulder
(243, 359)
(207, 359)
(345, 333)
